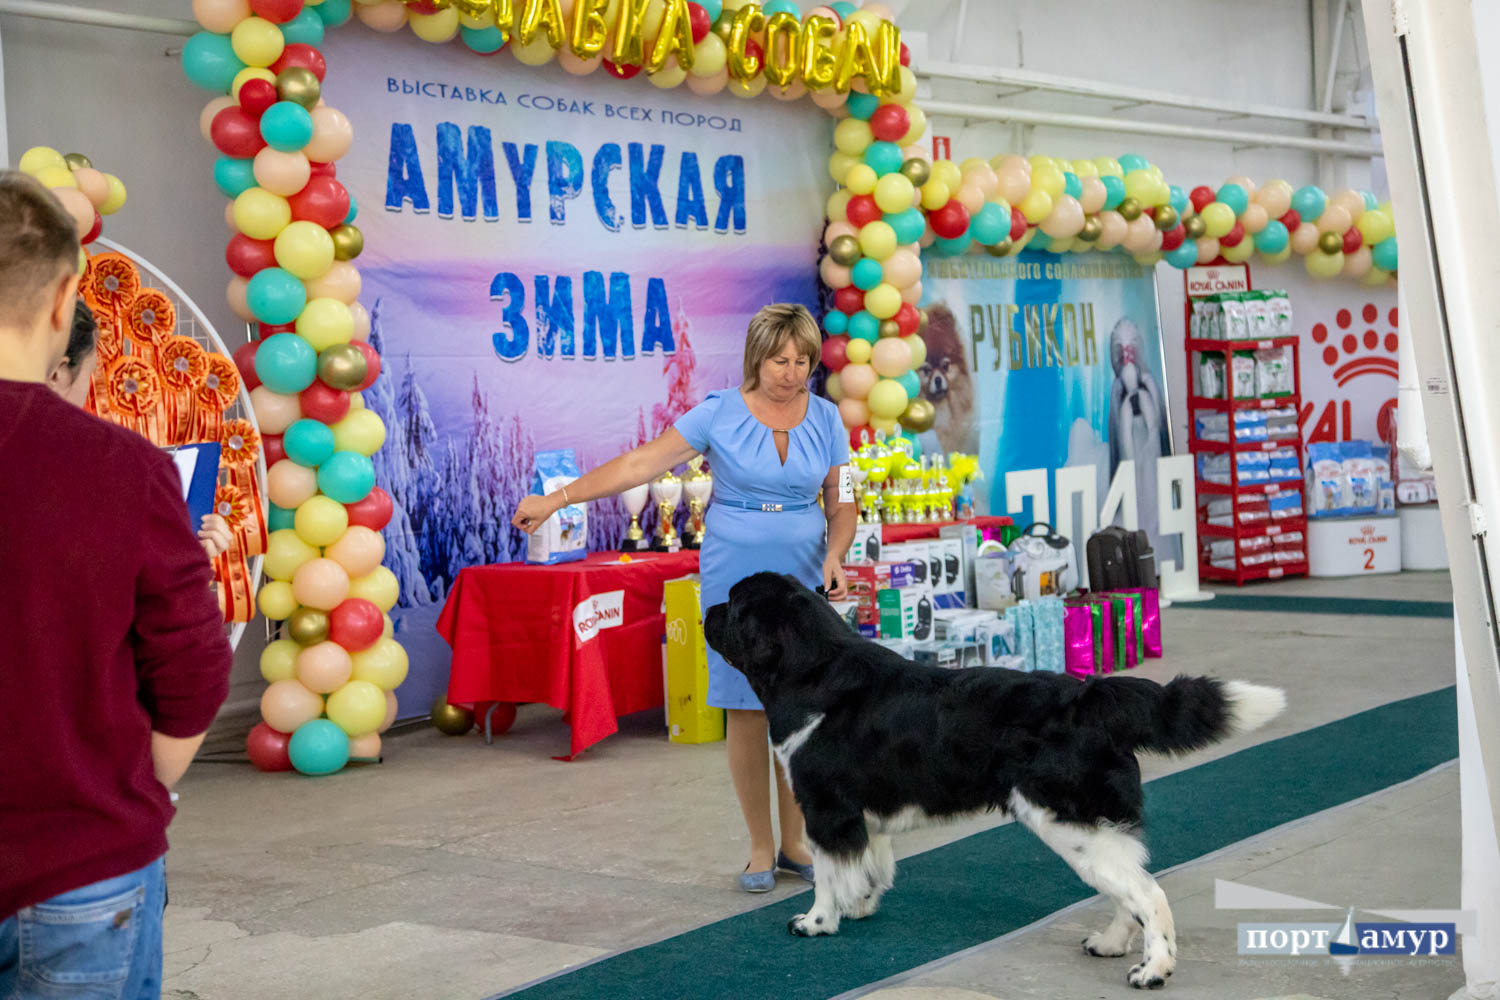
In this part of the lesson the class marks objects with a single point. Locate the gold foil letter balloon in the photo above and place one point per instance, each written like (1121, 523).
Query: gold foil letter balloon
(856, 58)
(888, 59)
(818, 60)
(783, 48)
(676, 35)
(590, 30)
(747, 21)
(540, 16)
(629, 49)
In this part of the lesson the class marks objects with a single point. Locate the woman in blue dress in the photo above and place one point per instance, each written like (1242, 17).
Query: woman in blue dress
(773, 447)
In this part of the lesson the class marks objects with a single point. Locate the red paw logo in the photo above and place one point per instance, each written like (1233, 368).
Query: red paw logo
(1342, 346)
(1359, 342)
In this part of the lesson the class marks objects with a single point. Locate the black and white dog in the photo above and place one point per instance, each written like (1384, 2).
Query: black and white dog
(874, 745)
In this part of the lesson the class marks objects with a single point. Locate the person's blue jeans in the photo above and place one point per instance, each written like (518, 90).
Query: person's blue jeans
(100, 942)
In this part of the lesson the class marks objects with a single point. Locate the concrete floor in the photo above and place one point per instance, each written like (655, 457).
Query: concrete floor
(459, 870)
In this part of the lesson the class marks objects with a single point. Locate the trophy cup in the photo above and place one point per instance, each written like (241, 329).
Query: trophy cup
(699, 487)
(635, 502)
(667, 492)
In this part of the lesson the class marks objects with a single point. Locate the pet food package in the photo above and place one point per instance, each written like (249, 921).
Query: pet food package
(564, 536)
(1242, 375)
(1214, 468)
(1211, 425)
(1280, 304)
(1282, 464)
(1211, 375)
(967, 539)
(1284, 504)
(1250, 425)
(690, 718)
(1280, 422)
(1236, 318)
(992, 584)
(1362, 487)
(1325, 480)
(1385, 489)
(866, 545)
(1273, 372)
(906, 613)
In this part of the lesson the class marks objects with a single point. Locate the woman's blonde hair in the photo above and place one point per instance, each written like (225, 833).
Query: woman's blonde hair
(771, 329)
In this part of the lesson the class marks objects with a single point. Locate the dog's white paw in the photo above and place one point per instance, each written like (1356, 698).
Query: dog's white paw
(1150, 975)
(1106, 944)
(865, 907)
(812, 925)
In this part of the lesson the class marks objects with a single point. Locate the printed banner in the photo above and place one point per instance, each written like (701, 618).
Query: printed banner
(1040, 362)
(552, 262)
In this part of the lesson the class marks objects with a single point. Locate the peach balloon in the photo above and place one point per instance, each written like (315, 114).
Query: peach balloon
(1357, 264)
(1305, 239)
(854, 412)
(1275, 197)
(212, 108)
(858, 380)
(836, 229)
(834, 274)
(902, 268)
(1066, 218)
(79, 207)
(234, 227)
(1351, 201)
(1245, 183)
(220, 16)
(285, 705)
(1093, 196)
(320, 583)
(1014, 183)
(1112, 230)
(795, 91)
(359, 551)
(274, 411)
(970, 196)
(237, 296)
(366, 747)
(341, 282)
(912, 293)
(387, 16)
(576, 66)
(332, 135)
(1334, 220)
(891, 357)
(324, 668)
(829, 99)
(982, 174)
(288, 484)
(390, 712)
(93, 184)
(1255, 218)
(361, 321)
(1208, 250)
(704, 86)
(281, 173)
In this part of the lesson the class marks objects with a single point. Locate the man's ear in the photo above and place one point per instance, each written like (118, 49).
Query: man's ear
(64, 302)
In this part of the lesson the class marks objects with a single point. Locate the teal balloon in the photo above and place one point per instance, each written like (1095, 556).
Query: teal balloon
(319, 747)
(867, 273)
(305, 29)
(1179, 199)
(780, 6)
(843, 8)
(1371, 204)
(1184, 256)
(991, 224)
(353, 205)
(860, 106)
(953, 247)
(883, 157)
(308, 442)
(209, 61)
(864, 326)
(836, 322)
(916, 443)
(1308, 202)
(481, 40)
(286, 126)
(234, 176)
(909, 225)
(276, 296)
(1114, 191)
(1384, 254)
(1039, 241)
(1072, 185)
(286, 363)
(334, 12)
(1132, 161)
(715, 8)
(1273, 238)
(347, 476)
(1235, 197)
(911, 383)
(279, 517)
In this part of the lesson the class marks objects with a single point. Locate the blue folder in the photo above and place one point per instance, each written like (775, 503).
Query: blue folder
(198, 465)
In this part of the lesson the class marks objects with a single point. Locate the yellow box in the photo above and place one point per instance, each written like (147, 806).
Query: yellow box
(690, 719)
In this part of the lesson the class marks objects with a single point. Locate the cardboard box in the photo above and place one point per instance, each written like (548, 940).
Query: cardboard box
(992, 583)
(868, 579)
(967, 537)
(961, 624)
(996, 639)
(948, 561)
(917, 553)
(906, 613)
(866, 544)
(690, 719)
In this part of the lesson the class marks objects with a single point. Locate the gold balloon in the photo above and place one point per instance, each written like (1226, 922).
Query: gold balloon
(676, 35)
(1166, 217)
(855, 58)
(922, 321)
(818, 60)
(630, 48)
(1195, 227)
(348, 242)
(77, 161)
(724, 28)
(342, 366)
(451, 720)
(783, 47)
(1331, 243)
(890, 328)
(918, 416)
(917, 171)
(1130, 208)
(844, 250)
(307, 626)
(589, 31)
(1092, 229)
(541, 16)
(1001, 249)
(747, 21)
(299, 84)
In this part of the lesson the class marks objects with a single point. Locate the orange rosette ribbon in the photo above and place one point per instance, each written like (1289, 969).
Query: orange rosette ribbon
(110, 282)
(239, 451)
(182, 365)
(132, 390)
(231, 568)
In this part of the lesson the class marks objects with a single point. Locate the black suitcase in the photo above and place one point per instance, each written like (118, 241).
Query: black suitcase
(1119, 558)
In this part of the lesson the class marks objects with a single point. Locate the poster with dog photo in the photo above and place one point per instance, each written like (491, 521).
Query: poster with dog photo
(1041, 362)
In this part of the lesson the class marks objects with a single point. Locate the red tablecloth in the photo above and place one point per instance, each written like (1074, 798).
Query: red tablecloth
(891, 534)
(584, 637)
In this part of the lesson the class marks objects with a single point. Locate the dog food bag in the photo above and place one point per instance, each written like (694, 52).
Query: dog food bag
(1273, 372)
(1236, 322)
(1250, 425)
(1386, 501)
(1280, 422)
(564, 537)
(1281, 312)
(1363, 489)
(1284, 504)
(1253, 466)
(1211, 375)
(1211, 425)
(1242, 375)
(1284, 464)
(1213, 468)
(1325, 480)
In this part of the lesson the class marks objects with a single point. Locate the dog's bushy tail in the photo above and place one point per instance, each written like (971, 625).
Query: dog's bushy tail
(1187, 714)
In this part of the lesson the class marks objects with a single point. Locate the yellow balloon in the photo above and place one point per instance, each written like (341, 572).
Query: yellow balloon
(39, 157)
(893, 193)
(918, 124)
(538, 53)
(1218, 218)
(359, 706)
(1240, 252)
(278, 661)
(1085, 168)
(853, 136)
(285, 554)
(1050, 180)
(1375, 225)
(1375, 277)
(56, 177)
(361, 430)
(838, 203)
(859, 351)
(861, 179)
(1324, 265)
(380, 588)
(1279, 257)
(709, 56)
(834, 385)
(935, 194)
(435, 28)
(321, 520)
(261, 215)
(888, 399)
(947, 171)
(116, 199)
(1108, 167)
(839, 165)
(883, 301)
(1140, 185)
(305, 249)
(878, 240)
(384, 664)
(918, 350)
(325, 322)
(257, 42)
(276, 601)
(670, 76)
(1037, 204)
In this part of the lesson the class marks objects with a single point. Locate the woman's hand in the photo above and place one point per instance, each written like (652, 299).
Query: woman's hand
(532, 512)
(214, 536)
(834, 580)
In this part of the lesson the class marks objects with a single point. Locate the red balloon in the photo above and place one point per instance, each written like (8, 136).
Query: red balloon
(323, 169)
(861, 436)
(834, 355)
(324, 201)
(273, 447)
(862, 210)
(268, 748)
(1017, 223)
(247, 257)
(1201, 197)
(355, 624)
(244, 360)
(372, 365)
(1352, 240)
(1234, 237)
(276, 11)
(373, 512)
(323, 403)
(620, 72)
(905, 55)
(424, 6)
(256, 96)
(271, 329)
(304, 55)
(94, 230)
(1291, 220)
(849, 299)
(235, 133)
(950, 221)
(754, 51)
(698, 18)
(908, 319)
(1173, 238)
(890, 123)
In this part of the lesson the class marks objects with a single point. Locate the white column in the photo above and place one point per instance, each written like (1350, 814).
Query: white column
(1480, 856)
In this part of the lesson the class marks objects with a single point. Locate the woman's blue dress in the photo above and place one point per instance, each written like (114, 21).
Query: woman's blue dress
(742, 454)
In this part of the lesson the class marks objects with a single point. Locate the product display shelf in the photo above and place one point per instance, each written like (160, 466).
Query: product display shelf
(1238, 530)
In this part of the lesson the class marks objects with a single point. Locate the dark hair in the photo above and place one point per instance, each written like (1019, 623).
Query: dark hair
(81, 337)
(38, 245)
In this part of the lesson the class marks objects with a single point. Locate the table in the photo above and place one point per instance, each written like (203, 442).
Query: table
(891, 534)
(584, 637)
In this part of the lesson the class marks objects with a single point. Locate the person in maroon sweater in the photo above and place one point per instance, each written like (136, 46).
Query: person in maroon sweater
(113, 659)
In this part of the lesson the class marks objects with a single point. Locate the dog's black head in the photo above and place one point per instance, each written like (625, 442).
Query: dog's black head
(774, 631)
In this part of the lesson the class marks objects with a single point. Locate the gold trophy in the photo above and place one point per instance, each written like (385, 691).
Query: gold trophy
(667, 492)
(699, 487)
(635, 502)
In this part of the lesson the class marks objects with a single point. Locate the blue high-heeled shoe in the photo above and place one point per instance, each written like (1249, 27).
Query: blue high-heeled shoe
(757, 881)
(786, 864)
